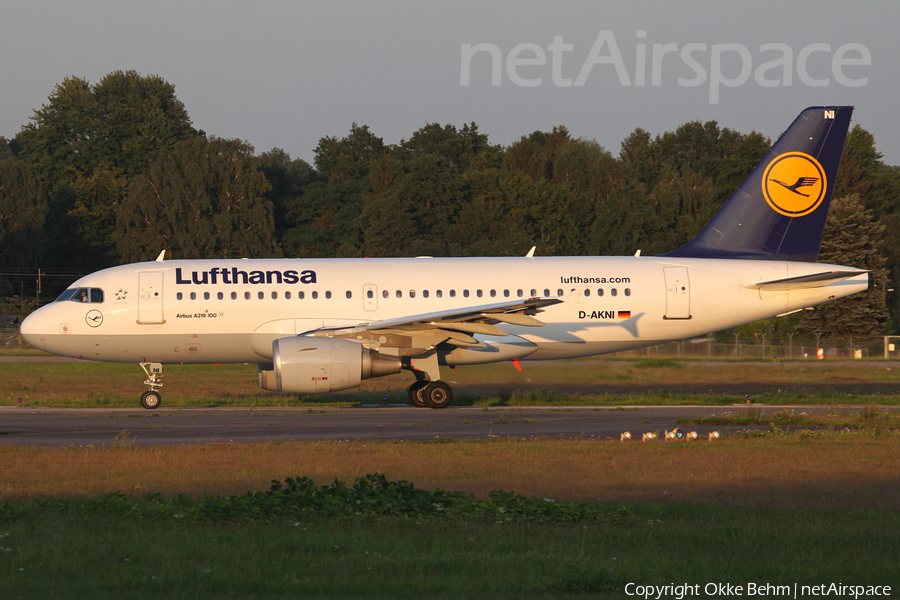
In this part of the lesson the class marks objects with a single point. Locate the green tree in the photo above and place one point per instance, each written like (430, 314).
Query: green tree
(21, 220)
(663, 191)
(6, 149)
(95, 208)
(86, 143)
(287, 179)
(864, 173)
(852, 238)
(418, 190)
(325, 219)
(121, 122)
(347, 159)
(205, 198)
(459, 147)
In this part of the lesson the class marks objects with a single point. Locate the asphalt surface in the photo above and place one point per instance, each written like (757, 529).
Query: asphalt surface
(178, 426)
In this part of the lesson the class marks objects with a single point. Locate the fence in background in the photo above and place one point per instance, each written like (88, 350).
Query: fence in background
(740, 348)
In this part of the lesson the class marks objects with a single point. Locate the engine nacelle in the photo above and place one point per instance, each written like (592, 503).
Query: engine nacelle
(307, 365)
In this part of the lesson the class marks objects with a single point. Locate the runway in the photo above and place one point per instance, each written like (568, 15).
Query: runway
(178, 426)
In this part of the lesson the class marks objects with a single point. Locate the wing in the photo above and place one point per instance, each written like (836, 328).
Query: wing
(412, 335)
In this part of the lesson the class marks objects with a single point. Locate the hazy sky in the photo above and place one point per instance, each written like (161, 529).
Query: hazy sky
(286, 73)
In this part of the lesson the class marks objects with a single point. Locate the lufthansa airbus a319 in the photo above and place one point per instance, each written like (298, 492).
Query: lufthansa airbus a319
(323, 325)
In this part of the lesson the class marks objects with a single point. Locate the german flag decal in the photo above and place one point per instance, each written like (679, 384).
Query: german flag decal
(624, 314)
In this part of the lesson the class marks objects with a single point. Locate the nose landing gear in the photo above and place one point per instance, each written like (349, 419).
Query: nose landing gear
(151, 398)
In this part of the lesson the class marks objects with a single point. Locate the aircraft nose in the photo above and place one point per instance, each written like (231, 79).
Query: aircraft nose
(34, 328)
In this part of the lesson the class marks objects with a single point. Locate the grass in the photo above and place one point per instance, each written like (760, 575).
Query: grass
(774, 510)
(75, 551)
(870, 417)
(791, 472)
(600, 382)
(16, 351)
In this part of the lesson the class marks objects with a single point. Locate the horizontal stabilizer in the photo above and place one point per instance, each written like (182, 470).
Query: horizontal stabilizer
(804, 281)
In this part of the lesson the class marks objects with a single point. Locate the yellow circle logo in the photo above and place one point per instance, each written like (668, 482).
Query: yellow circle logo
(794, 184)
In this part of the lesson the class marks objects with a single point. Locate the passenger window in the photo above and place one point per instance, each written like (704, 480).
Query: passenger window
(206, 295)
(399, 294)
(287, 295)
(424, 293)
(260, 295)
(559, 293)
(369, 294)
(479, 293)
(439, 293)
(301, 295)
(274, 295)
(493, 293)
(328, 295)
(384, 294)
(193, 295)
(246, 295)
(179, 295)
(627, 291)
(453, 293)
(465, 293)
(587, 292)
(506, 293)
(412, 293)
(600, 292)
(234, 295)
(350, 294)
(315, 295)
(612, 292)
(534, 293)
(96, 295)
(520, 293)
(546, 292)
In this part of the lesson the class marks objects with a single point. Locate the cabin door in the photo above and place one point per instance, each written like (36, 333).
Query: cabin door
(150, 300)
(678, 293)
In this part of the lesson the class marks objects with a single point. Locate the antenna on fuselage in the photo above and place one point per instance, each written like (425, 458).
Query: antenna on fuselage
(531, 252)
(161, 256)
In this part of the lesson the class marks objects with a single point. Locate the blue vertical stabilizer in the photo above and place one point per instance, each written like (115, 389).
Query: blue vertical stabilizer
(779, 210)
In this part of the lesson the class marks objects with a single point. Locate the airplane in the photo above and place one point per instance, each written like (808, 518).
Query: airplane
(323, 325)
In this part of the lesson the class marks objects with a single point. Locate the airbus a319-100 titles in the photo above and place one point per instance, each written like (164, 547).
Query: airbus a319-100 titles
(324, 325)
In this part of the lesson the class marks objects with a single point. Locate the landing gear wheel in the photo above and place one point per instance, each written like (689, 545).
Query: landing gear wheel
(151, 400)
(415, 394)
(438, 394)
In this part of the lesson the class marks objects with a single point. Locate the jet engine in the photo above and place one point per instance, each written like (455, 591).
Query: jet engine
(307, 365)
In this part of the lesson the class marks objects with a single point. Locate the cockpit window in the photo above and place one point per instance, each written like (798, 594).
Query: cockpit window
(67, 295)
(89, 295)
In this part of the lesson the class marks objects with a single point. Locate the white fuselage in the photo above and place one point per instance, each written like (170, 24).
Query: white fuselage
(230, 311)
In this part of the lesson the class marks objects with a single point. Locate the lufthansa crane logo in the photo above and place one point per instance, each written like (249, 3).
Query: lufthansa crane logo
(94, 318)
(794, 184)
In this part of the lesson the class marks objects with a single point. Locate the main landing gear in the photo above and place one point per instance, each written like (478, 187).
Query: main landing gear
(427, 390)
(151, 398)
(431, 394)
